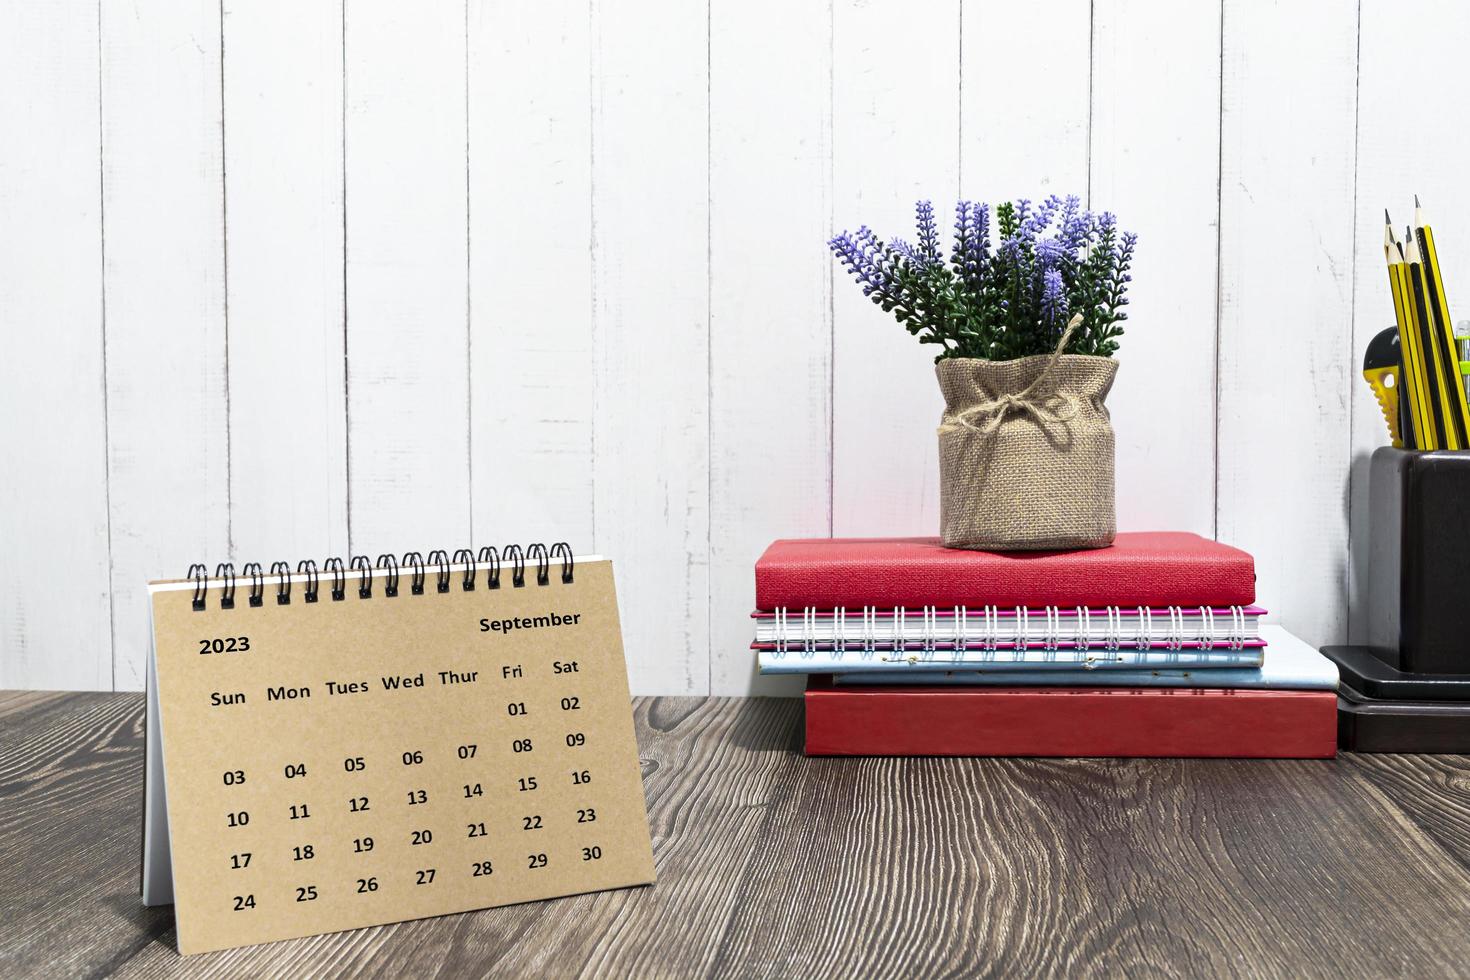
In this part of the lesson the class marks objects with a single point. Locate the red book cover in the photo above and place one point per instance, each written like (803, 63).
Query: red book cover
(1144, 568)
(1074, 722)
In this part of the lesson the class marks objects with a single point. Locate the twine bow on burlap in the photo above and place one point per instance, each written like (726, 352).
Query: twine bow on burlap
(986, 417)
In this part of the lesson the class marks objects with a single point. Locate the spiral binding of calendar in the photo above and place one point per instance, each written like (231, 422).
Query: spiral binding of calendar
(465, 564)
(1027, 622)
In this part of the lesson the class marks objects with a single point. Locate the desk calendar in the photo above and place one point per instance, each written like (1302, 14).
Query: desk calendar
(349, 746)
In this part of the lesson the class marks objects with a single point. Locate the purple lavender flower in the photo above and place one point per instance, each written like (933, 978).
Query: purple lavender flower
(972, 242)
(928, 234)
(1074, 224)
(1051, 253)
(909, 254)
(1055, 259)
(1023, 210)
(881, 259)
(964, 233)
(962, 216)
(1037, 222)
(1053, 297)
(860, 253)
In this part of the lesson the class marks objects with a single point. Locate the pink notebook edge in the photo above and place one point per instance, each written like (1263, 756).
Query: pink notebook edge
(918, 611)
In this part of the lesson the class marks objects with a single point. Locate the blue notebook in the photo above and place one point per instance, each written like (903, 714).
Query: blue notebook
(1289, 664)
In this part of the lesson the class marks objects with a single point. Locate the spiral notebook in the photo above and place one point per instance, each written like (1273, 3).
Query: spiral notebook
(1293, 665)
(930, 639)
(366, 743)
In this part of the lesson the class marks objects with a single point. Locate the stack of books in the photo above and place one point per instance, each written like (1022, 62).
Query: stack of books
(1150, 647)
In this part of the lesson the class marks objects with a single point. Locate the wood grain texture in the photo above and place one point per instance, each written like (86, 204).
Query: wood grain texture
(1155, 162)
(1433, 791)
(163, 279)
(773, 864)
(1286, 275)
(530, 189)
(408, 376)
(1397, 158)
(650, 253)
(770, 308)
(17, 702)
(284, 238)
(53, 500)
(895, 104)
(71, 777)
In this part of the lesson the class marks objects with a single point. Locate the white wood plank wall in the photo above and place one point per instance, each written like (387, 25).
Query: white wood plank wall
(284, 280)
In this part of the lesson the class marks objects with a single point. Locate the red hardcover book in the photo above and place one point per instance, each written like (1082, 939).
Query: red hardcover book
(1074, 722)
(1152, 568)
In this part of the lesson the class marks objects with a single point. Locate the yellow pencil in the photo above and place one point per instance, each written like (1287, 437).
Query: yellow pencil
(1441, 396)
(1411, 373)
(1429, 435)
(1444, 332)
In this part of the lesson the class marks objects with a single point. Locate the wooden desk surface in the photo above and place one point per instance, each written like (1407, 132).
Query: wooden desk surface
(773, 864)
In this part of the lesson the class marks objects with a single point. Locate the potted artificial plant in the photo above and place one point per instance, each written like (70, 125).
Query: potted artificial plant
(1027, 331)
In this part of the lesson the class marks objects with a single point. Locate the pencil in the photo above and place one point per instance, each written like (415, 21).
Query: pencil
(1444, 333)
(1440, 395)
(1411, 368)
(1428, 434)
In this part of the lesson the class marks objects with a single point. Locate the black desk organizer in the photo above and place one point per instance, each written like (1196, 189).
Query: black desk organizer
(1408, 690)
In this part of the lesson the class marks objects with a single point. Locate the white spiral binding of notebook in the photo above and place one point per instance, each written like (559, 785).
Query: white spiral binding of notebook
(1173, 636)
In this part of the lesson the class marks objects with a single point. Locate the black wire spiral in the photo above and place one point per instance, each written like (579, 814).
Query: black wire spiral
(488, 559)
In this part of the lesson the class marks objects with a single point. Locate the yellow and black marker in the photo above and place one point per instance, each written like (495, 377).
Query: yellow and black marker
(1381, 371)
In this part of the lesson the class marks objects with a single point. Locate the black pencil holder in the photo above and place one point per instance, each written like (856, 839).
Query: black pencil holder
(1419, 560)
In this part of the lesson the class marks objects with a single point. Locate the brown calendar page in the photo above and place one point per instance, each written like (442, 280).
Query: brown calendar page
(346, 763)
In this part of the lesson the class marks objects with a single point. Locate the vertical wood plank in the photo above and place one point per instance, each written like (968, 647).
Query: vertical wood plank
(55, 629)
(283, 231)
(1286, 269)
(770, 313)
(407, 282)
(531, 272)
(1024, 99)
(651, 332)
(167, 392)
(1403, 148)
(895, 104)
(1155, 163)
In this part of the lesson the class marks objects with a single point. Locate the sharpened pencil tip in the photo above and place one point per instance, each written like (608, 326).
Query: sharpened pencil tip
(1416, 200)
(1386, 219)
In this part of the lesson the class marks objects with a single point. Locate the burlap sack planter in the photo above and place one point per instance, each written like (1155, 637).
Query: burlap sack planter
(1026, 453)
